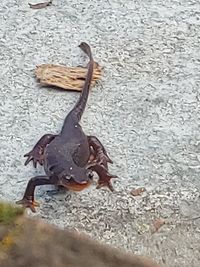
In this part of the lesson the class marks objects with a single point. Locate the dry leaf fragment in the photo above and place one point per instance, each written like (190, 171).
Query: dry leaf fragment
(138, 191)
(157, 224)
(41, 5)
(69, 78)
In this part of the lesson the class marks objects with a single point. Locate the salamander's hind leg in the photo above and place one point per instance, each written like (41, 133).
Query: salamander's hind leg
(98, 152)
(28, 199)
(37, 153)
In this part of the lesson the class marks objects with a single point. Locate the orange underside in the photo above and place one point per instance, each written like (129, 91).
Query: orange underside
(77, 187)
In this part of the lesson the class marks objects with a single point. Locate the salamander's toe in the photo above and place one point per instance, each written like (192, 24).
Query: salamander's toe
(27, 203)
(104, 181)
(105, 184)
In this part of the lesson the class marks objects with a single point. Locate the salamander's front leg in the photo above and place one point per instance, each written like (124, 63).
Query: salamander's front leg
(100, 155)
(37, 153)
(28, 198)
(104, 175)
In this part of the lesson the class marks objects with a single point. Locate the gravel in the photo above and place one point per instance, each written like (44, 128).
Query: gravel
(145, 110)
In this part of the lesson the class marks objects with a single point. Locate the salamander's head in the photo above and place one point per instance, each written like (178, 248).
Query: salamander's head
(76, 175)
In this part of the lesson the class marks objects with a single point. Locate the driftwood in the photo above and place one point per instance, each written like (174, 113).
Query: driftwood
(29, 243)
(69, 78)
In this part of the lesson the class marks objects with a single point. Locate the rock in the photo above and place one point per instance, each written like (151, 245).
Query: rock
(31, 242)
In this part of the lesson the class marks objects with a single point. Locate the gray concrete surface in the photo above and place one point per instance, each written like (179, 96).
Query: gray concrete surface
(145, 110)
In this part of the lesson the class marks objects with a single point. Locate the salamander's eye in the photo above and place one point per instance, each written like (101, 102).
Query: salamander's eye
(90, 175)
(51, 168)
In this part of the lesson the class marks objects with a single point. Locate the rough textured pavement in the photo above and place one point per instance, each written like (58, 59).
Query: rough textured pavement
(145, 110)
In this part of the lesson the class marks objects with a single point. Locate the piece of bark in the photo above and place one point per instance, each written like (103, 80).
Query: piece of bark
(40, 5)
(31, 242)
(69, 78)
(138, 191)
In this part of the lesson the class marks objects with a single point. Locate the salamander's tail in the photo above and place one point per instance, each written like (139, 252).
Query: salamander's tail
(86, 49)
(79, 108)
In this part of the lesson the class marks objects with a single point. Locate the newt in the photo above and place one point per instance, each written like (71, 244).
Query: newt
(69, 158)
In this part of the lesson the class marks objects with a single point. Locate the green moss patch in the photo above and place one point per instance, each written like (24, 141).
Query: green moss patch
(9, 212)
